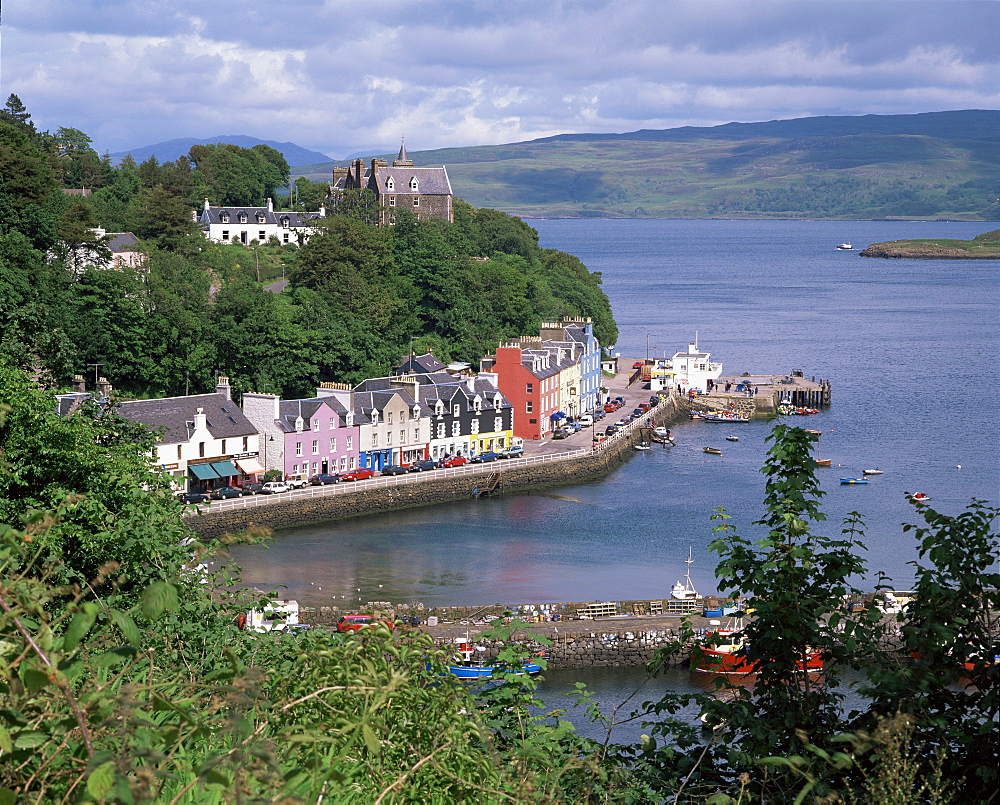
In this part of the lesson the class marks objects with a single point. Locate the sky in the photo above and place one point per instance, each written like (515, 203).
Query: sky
(351, 77)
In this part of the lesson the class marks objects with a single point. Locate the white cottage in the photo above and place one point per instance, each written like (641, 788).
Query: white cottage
(694, 368)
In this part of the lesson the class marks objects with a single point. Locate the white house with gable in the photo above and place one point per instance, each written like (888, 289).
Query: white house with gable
(246, 224)
(694, 368)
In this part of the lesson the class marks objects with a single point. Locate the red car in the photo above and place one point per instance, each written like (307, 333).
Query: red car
(360, 474)
(355, 623)
(453, 461)
(638, 365)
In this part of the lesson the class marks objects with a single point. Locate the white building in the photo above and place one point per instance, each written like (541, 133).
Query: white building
(693, 369)
(246, 224)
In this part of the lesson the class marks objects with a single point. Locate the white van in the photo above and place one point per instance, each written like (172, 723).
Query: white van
(273, 487)
(585, 421)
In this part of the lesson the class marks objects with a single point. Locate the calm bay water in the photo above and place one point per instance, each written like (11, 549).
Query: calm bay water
(910, 347)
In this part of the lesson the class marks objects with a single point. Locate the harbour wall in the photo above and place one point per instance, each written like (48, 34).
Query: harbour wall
(325, 504)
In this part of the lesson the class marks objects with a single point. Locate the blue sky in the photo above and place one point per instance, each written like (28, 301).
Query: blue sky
(344, 76)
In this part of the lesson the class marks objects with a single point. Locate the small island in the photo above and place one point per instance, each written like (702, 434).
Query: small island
(982, 247)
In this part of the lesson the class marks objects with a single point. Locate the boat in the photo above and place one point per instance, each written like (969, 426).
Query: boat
(873, 471)
(684, 590)
(463, 667)
(724, 651)
(724, 416)
(662, 432)
(845, 247)
(823, 462)
(732, 438)
(715, 451)
(641, 446)
(921, 496)
(854, 480)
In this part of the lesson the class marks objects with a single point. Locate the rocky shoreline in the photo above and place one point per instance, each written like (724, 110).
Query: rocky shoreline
(982, 247)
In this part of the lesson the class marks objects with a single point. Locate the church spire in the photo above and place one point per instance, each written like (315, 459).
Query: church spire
(402, 161)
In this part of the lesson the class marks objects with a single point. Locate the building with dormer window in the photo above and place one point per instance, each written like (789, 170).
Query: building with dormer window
(247, 224)
(426, 192)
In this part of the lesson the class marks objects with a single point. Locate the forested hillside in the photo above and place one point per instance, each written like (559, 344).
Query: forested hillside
(935, 165)
(358, 298)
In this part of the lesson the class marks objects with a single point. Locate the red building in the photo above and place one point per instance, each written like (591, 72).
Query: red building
(529, 378)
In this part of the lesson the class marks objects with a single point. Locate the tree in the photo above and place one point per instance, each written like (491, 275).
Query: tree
(163, 218)
(14, 112)
(83, 246)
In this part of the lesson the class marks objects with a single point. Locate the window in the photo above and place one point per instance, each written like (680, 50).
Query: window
(414, 184)
(530, 388)
(246, 443)
(455, 428)
(262, 235)
(402, 436)
(374, 417)
(331, 423)
(440, 430)
(390, 184)
(374, 440)
(416, 201)
(352, 462)
(475, 426)
(224, 217)
(497, 423)
(529, 407)
(260, 218)
(298, 448)
(333, 445)
(457, 410)
(243, 217)
(388, 420)
(388, 437)
(284, 237)
(315, 447)
(284, 222)
(343, 462)
(295, 469)
(349, 422)
(392, 201)
(315, 424)
(533, 421)
(201, 449)
(350, 442)
(223, 446)
(180, 452)
(225, 234)
(439, 408)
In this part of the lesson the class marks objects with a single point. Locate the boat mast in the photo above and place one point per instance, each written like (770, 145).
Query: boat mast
(687, 576)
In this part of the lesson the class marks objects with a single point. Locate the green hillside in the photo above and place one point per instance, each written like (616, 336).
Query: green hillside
(935, 165)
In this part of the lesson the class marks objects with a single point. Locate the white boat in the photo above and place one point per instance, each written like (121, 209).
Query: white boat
(845, 247)
(732, 438)
(873, 471)
(641, 446)
(684, 590)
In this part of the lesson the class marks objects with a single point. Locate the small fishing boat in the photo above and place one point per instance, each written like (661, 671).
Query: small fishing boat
(732, 438)
(921, 496)
(662, 432)
(725, 416)
(641, 446)
(873, 471)
(715, 451)
(724, 651)
(854, 480)
(463, 667)
(684, 590)
(845, 247)
(823, 462)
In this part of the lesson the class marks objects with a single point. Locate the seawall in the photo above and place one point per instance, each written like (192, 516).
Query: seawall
(325, 504)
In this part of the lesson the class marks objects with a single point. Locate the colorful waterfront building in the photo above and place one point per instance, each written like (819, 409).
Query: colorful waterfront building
(528, 376)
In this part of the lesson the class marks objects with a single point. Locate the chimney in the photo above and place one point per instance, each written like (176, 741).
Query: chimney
(104, 387)
(270, 205)
(340, 173)
(79, 384)
(205, 207)
(200, 420)
(359, 172)
(322, 211)
(222, 387)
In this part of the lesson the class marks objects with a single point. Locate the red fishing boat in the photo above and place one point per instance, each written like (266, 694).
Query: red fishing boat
(724, 652)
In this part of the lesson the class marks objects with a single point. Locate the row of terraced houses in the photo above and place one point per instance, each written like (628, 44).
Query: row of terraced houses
(424, 410)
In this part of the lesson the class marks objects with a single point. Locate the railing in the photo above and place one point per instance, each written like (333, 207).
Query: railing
(465, 471)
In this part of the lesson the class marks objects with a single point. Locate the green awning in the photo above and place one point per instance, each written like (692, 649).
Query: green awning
(225, 468)
(203, 471)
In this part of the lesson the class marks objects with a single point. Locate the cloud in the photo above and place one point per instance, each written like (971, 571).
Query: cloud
(341, 76)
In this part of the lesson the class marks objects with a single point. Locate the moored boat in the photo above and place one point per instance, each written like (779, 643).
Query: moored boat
(725, 416)
(641, 446)
(854, 480)
(921, 496)
(823, 462)
(845, 247)
(715, 451)
(732, 438)
(463, 667)
(724, 651)
(872, 471)
(684, 590)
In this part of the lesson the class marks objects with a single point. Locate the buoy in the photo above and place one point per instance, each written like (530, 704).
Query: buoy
(958, 466)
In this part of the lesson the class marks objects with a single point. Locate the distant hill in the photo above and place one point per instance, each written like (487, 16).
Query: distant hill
(932, 165)
(173, 149)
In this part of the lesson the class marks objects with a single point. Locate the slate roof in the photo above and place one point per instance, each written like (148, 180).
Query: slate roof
(175, 416)
(290, 410)
(419, 364)
(122, 242)
(213, 215)
(430, 181)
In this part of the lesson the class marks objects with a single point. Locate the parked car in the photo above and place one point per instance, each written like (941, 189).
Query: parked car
(645, 407)
(355, 623)
(512, 452)
(395, 469)
(598, 415)
(562, 433)
(585, 421)
(296, 481)
(274, 487)
(192, 497)
(425, 464)
(453, 461)
(360, 474)
(225, 492)
(483, 458)
(324, 478)
(638, 365)
(610, 408)
(610, 430)
(254, 488)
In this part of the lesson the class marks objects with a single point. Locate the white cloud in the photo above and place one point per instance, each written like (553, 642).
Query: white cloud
(346, 75)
